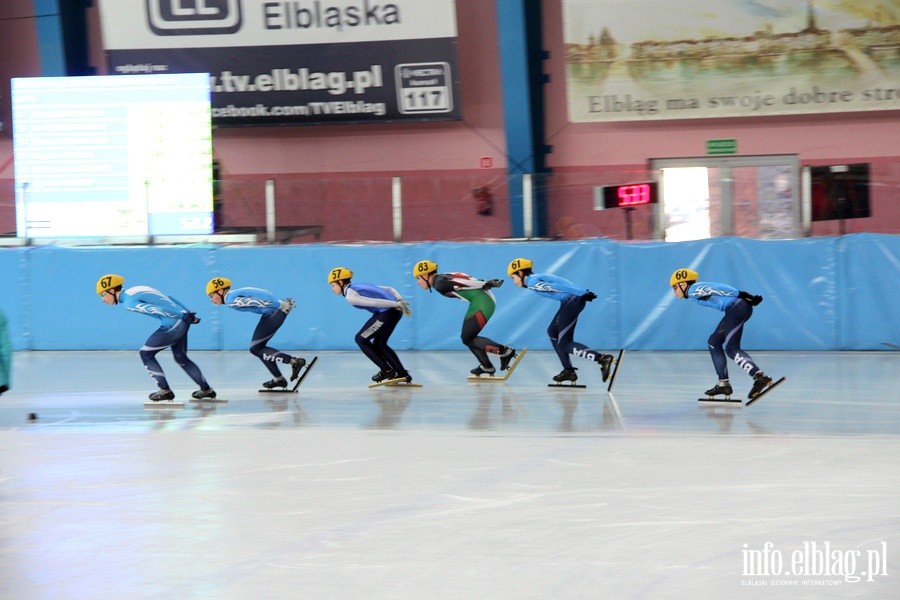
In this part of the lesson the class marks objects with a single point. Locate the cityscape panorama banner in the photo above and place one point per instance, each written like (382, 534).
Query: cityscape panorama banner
(632, 60)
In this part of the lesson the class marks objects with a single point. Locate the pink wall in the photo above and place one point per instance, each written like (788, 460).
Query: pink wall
(339, 176)
(585, 153)
(16, 33)
(342, 158)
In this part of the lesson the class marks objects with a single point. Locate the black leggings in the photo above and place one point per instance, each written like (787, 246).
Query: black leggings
(373, 338)
(562, 333)
(174, 337)
(266, 328)
(726, 340)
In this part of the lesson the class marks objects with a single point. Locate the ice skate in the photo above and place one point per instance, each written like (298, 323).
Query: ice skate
(277, 382)
(384, 376)
(403, 376)
(483, 370)
(162, 395)
(606, 362)
(297, 365)
(566, 375)
(208, 393)
(760, 382)
(507, 357)
(721, 388)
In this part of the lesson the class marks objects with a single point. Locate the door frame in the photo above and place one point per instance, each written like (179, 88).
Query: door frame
(725, 164)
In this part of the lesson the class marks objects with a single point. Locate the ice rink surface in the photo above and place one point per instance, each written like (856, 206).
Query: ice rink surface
(453, 490)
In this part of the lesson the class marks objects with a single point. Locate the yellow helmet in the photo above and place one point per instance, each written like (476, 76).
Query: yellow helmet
(424, 267)
(217, 283)
(520, 264)
(683, 275)
(108, 282)
(338, 274)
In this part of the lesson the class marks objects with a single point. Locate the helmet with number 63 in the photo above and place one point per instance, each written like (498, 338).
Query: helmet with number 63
(109, 282)
(424, 267)
(217, 283)
(683, 275)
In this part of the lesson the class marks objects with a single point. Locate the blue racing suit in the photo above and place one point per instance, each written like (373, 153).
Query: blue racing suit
(562, 327)
(726, 339)
(384, 304)
(175, 320)
(266, 304)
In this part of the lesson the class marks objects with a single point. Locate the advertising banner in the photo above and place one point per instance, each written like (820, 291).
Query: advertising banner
(297, 62)
(632, 60)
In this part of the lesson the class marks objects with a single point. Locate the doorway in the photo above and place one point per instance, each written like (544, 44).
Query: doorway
(753, 197)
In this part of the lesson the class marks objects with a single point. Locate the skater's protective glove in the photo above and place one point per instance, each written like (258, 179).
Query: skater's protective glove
(3, 388)
(753, 300)
(287, 305)
(190, 318)
(404, 308)
(589, 297)
(493, 283)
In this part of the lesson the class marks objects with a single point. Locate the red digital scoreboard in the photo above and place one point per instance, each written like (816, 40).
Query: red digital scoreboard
(629, 195)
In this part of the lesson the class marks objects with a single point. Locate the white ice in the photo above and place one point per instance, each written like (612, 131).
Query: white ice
(454, 490)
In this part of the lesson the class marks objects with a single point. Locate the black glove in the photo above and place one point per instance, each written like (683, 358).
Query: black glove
(589, 297)
(190, 318)
(753, 300)
(3, 388)
(493, 283)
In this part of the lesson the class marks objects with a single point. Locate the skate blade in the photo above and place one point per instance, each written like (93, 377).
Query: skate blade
(720, 400)
(210, 400)
(485, 379)
(165, 405)
(400, 382)
(293, 390)
(765, 391)
(567, 386)
(612, 377)
(305, 373)
(495, 378)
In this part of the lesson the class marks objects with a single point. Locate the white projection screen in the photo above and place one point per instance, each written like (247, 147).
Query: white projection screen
(122, 155)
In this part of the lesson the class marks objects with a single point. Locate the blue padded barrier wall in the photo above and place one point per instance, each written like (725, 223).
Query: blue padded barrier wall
(820, 293)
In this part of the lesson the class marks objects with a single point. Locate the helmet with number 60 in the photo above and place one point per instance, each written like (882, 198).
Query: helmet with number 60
(519, 264)
(339, 274)
(683, 275)
(424, 267)
(217, 283)
(109, 282)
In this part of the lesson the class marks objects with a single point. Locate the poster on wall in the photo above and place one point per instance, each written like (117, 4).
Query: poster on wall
(632, 60)
(297, 62)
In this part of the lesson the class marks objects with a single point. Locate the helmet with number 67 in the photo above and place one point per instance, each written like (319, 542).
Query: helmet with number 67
(109, 282)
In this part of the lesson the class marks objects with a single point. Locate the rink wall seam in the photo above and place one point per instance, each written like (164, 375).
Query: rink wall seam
(820, 293)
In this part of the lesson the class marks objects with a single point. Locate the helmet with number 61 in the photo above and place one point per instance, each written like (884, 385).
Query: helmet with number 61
(519, 264)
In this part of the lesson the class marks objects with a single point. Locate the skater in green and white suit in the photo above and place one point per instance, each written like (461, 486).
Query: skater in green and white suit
(477, 292)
